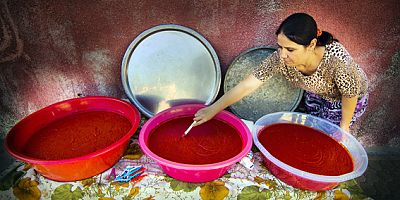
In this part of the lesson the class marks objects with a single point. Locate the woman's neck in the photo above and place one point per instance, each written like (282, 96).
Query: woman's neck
(315, 59)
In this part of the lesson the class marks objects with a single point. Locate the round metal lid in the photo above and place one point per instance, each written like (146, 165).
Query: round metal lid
(274, 95)
(170, 65)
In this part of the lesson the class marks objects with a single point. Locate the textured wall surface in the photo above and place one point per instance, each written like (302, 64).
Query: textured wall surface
(53, 50)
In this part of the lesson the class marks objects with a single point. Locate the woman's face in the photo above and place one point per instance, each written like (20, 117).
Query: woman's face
(291, 53)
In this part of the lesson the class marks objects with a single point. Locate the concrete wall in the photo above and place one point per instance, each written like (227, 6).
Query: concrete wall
(53, 50)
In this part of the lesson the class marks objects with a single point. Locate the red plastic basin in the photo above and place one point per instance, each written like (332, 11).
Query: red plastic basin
(302, 179)
(81, 167)
(193, 172)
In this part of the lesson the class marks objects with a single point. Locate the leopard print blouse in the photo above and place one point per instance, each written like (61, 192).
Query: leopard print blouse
(337, 75)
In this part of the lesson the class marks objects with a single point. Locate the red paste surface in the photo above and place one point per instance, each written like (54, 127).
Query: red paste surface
(77, 135)
(306, 149)
(211, 142)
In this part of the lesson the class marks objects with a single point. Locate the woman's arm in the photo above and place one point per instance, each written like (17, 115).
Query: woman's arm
(241, 90)
(348, 107)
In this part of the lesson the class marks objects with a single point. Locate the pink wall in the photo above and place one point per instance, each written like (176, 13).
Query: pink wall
(53, 51)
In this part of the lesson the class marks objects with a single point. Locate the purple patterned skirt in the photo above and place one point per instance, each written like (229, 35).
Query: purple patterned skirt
(331, 111)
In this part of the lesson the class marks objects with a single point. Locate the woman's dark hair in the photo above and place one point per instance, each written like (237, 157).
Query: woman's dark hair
(301, 28)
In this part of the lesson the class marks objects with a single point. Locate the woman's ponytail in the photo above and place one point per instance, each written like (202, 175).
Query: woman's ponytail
(325, 38)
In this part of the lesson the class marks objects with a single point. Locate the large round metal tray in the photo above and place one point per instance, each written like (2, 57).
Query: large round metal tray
(170, 65)
(275, 95)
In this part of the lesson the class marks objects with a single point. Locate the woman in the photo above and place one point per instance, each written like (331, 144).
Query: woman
(335, 86)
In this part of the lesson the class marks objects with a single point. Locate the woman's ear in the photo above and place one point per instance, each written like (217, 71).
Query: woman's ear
(312, 44)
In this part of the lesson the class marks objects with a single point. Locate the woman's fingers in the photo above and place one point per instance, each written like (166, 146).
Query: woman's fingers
(201, 116)
(199, 122)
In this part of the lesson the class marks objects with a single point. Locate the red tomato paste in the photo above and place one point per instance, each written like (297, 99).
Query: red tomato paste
(77, 135)
(211, 142)
(306, 149)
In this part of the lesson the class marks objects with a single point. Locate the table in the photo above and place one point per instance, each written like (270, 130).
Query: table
(20, 181)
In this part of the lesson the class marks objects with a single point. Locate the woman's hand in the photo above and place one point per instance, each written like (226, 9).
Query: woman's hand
(204, 115)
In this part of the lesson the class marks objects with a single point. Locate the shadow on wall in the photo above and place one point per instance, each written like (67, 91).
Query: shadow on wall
(11, 47)
(10, 44)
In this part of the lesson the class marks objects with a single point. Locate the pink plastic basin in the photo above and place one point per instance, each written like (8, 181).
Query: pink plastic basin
(188, 172)
(81, 167)
(302, 179)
